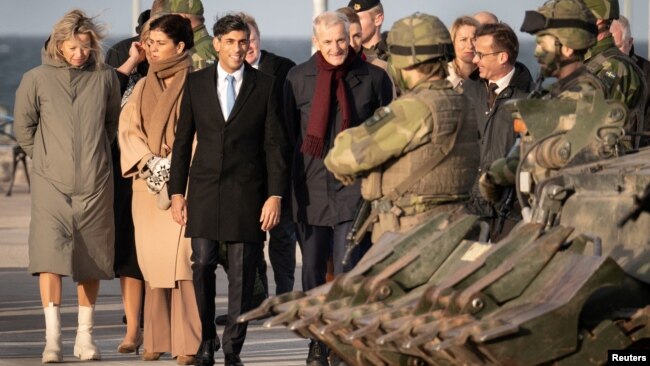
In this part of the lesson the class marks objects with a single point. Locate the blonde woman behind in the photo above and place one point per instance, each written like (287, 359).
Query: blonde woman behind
(462, 35)
(66, 114)
(146, 137)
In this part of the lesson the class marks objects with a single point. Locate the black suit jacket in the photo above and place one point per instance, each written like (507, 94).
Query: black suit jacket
(319, 198)
(275, 65)
(237, 164)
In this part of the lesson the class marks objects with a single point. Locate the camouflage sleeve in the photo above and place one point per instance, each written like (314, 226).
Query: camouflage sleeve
(623, 83)
(392, 131)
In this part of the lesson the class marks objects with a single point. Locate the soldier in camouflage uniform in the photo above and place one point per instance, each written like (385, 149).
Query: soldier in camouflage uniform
(564, 31)
(621, 76)
(418, 155)
(203, 53)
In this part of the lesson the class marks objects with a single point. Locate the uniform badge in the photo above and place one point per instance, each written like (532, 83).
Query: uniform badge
(381, 114)
(357, 6)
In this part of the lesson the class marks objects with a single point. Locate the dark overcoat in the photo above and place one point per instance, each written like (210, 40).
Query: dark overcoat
(237, 164)
(319, 198)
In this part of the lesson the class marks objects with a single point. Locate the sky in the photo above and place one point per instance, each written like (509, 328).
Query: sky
(276, 18)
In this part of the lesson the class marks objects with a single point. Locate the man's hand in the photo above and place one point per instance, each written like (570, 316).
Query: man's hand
(179, 209)
(345, 179)
(270, 216)
(489, 190)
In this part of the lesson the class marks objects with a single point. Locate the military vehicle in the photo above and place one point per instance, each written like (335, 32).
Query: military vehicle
(565, 286)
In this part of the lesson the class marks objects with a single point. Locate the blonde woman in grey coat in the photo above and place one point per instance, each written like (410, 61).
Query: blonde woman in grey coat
(66, 114)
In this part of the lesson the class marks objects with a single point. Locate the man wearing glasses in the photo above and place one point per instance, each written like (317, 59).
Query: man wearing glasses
(501, 78)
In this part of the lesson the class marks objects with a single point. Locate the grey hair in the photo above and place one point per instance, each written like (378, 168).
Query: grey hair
(330, 18)
(625, 27)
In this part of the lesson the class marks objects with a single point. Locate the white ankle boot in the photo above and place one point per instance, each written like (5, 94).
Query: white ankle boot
(52, 351)
(84, 346)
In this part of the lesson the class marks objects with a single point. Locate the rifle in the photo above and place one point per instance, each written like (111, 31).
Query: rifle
(358, 229)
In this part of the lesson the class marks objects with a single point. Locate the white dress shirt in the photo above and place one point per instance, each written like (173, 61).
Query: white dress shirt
(222, 86)
(504, 81)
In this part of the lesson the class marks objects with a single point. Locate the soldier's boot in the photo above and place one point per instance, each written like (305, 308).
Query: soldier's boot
(52, 351)
(84, 346)
(317, 354)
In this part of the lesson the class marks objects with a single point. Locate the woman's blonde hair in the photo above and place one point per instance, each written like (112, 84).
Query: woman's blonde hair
(73, 23)
(461, 21)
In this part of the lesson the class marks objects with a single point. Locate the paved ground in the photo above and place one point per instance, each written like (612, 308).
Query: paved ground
(22, 331)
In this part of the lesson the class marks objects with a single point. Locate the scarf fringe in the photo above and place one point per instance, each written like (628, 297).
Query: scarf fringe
(313, 146)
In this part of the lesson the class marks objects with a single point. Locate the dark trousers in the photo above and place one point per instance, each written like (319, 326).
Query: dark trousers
(317, 243)
(282, 252)
(242, 258)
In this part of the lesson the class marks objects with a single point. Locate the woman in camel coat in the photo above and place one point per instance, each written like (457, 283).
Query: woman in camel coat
(146, 136)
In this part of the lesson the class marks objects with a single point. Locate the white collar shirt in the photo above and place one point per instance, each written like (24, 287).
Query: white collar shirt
(222, 86)
(504, 81)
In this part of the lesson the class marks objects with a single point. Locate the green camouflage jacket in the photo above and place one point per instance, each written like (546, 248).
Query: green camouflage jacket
(621, 77)
(392, 131)
(203, 53)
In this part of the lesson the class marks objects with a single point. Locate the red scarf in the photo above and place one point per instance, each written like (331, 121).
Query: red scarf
(329, 78)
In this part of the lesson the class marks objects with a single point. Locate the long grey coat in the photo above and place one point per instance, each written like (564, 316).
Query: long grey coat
(65, 119)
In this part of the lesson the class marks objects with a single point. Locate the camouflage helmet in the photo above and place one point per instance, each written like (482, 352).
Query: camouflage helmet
(418, 38)
(193, 7)
(603, 9)
(570, 21)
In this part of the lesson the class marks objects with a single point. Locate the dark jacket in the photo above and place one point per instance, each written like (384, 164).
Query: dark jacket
(320, 199)
(237, 164)
(495, 124)
(275, 65)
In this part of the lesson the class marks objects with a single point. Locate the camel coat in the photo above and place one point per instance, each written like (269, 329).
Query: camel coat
(64, 120)
(162, 249)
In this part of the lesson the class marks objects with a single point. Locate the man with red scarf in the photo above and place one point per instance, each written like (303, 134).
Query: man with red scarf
(335, 89)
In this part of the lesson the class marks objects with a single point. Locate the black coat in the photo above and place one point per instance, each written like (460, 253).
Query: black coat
(275, 65)
(496, 133)
(237, 165)
(495, 125)
(320, 199)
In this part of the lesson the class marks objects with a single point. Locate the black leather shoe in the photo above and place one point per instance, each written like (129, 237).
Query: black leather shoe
(233, 360)
(205, 353)
(221, 319)
(317, 354)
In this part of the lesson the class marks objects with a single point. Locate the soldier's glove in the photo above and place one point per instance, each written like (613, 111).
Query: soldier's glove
(159, 169)
(345, 179)
(489, 190)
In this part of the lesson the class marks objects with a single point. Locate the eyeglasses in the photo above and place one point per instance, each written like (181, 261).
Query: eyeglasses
(481, 55)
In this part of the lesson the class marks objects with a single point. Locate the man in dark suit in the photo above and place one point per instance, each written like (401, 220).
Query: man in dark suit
(282, 242)
(237, 178)
(501, 79)
(333, 90)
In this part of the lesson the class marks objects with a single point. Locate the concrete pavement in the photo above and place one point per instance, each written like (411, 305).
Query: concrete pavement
(22, 333)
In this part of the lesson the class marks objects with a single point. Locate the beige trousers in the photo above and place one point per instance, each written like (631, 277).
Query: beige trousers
(171, 320)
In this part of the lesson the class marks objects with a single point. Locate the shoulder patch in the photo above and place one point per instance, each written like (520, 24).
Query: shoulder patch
(381, 114)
